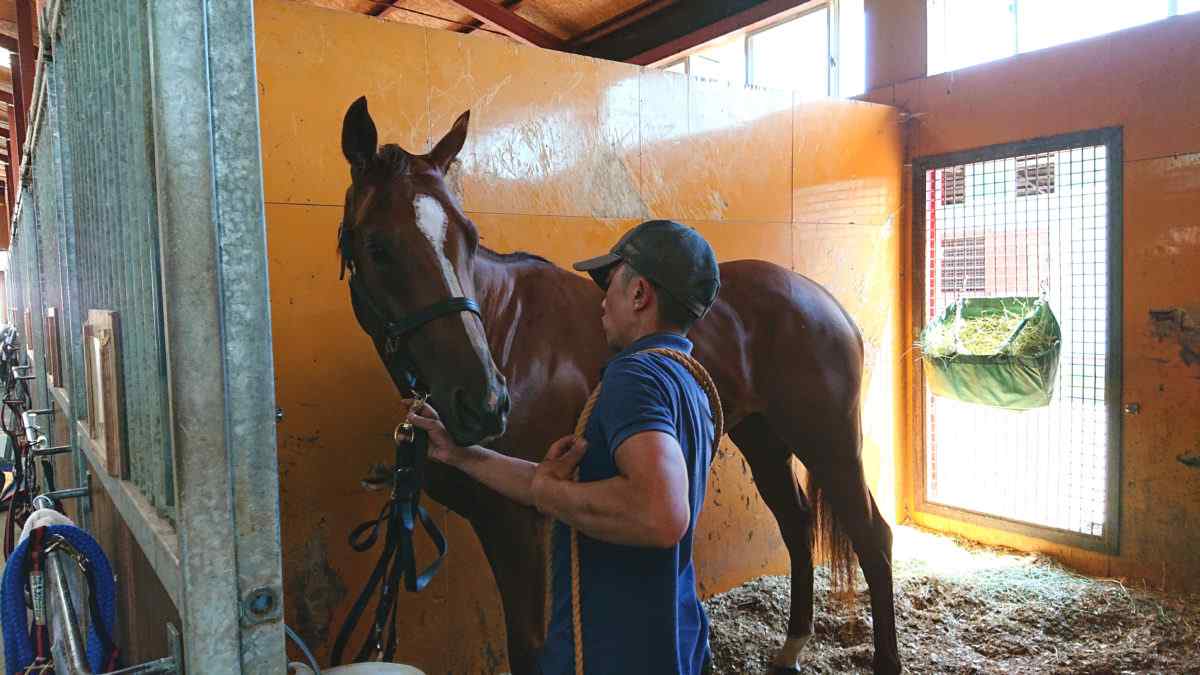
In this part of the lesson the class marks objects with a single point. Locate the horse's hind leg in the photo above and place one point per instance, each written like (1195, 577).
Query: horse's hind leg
(770, 462)
(841, 479)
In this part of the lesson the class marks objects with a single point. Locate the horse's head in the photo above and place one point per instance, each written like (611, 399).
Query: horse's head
(410, 251)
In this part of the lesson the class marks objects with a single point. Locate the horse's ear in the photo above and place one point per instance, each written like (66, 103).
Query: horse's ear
(448, 148)
(359, 137)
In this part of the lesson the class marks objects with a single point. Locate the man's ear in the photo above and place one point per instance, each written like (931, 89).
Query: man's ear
(641, 292)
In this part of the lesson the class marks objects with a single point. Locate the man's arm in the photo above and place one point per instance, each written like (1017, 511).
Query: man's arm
(645, 505)
(510, 476)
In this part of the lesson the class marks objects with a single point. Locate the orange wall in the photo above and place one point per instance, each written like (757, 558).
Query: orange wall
(1146, 80)
(564, 154)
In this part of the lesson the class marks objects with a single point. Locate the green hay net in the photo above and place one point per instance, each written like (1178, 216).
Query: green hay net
(1001, 352)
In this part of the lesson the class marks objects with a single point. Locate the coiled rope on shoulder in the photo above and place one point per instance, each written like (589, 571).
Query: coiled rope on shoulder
(714, 402)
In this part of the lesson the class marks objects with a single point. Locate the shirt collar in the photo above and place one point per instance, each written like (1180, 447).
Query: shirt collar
(656, 340)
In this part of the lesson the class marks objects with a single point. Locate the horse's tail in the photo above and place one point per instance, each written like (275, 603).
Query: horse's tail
(831, 544)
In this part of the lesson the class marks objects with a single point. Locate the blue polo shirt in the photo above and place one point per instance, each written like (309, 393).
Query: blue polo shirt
(641, 613)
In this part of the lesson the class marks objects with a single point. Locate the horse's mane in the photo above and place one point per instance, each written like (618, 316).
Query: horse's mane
(514, 257)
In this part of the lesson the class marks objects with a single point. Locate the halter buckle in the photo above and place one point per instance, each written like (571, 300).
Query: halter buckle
(405, 431)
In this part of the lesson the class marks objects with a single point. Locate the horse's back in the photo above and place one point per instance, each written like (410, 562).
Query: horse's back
(777, 335)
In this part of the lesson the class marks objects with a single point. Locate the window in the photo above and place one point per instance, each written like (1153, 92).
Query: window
(677, 67)
(1035, 175)
(792, 55)
(799, 52)
(723, 59)
(964, 33)
(954, 186)
(1052, 471)
(963, 265)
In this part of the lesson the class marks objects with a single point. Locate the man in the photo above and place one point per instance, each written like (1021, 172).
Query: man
(643, 468)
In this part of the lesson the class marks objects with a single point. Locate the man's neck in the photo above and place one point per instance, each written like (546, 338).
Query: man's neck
(653, 330)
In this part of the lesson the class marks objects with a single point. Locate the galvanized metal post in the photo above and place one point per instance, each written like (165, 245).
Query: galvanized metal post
(217, 322)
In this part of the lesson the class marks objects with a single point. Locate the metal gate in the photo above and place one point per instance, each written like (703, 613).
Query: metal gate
(141, 196)
(1036, 219)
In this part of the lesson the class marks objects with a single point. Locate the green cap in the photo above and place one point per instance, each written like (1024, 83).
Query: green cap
(675, 257)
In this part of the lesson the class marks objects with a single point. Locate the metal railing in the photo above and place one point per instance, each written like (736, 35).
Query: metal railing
(67, 646)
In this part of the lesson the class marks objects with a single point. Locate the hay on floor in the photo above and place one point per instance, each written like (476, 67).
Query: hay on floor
(966, 608)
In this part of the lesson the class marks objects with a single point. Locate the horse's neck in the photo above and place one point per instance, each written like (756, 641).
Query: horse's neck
(497, 283)
(502, 290)
(527, 299)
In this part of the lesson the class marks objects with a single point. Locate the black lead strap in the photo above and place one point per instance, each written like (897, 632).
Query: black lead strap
(397, 562)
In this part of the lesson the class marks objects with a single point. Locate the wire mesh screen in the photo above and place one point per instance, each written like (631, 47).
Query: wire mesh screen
(1031, 225)
(47, 207)
(103, 83)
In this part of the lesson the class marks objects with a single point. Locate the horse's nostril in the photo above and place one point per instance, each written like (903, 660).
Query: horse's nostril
(467, 415)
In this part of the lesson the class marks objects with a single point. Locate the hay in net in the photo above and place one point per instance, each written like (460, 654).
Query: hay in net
(988, 334)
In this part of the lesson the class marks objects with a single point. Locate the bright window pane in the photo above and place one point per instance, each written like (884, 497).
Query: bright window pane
(721, 60)
(677, 67)
(793, 55)
(852, 48)
(1186, 6)
(964, 33)
(1046, 23)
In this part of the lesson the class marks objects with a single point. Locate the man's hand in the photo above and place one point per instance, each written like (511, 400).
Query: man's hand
(441, 447)
(562, 459)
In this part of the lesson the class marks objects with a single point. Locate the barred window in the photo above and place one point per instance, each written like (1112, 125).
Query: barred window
(954, 186)
(963, 266)
(1035, 175)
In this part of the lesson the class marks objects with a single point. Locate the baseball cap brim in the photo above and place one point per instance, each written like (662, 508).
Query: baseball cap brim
(597, 263)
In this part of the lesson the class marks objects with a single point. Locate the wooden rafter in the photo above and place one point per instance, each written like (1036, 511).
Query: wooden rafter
(681, 26)
(616, 23)
(510, 23)
(26, 48)
(476, 23)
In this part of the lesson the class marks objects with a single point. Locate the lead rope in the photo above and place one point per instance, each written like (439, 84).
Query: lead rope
(714, 402)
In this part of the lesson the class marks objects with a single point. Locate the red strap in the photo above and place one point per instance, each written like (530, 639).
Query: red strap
(37, 591)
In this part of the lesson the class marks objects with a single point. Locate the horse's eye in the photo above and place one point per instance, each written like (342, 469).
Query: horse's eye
(378, 252)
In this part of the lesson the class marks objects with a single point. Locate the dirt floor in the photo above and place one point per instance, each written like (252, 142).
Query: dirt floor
(965, 608)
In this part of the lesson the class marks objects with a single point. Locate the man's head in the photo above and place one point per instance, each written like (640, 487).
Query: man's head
(661, 276)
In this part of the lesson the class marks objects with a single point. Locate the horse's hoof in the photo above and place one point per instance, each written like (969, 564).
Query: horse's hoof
(888, 668)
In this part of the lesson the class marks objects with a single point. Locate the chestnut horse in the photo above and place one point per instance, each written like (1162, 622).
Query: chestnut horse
(784, 354)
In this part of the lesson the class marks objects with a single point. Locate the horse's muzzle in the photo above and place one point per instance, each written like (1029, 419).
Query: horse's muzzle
(475, 419)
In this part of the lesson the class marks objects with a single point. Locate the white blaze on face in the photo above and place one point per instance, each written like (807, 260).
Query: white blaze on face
(433, 222)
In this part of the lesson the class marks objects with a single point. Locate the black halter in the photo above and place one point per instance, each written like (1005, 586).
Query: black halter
(394, 334)
(397, 565)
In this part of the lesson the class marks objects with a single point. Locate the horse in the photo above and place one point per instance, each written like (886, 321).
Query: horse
(509, 346)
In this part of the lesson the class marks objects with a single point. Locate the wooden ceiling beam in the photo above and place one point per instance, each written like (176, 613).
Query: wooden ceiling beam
(27, 47)
(510, 23)
(8, 42)
(616, 23)
(476, 23)
(682, 26)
